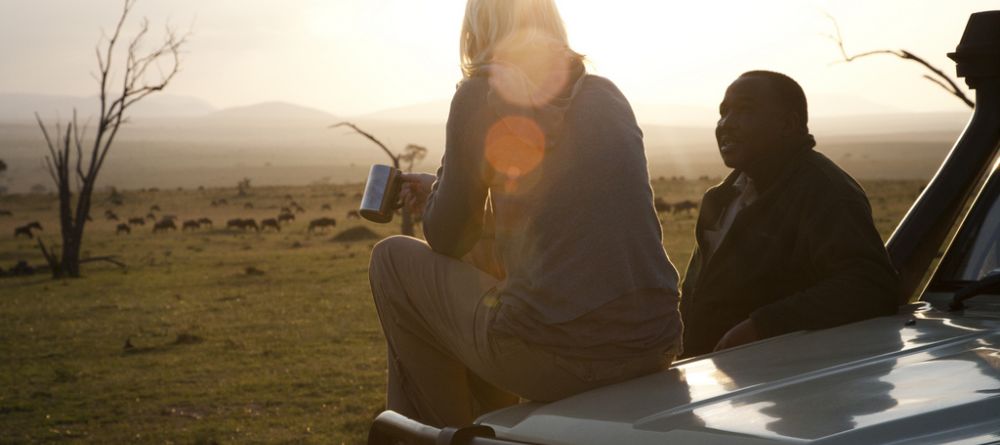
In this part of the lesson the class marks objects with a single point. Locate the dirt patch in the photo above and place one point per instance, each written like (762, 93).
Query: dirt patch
(360, 233)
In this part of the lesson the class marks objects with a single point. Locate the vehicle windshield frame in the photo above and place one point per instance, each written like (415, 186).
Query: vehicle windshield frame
(947, 277)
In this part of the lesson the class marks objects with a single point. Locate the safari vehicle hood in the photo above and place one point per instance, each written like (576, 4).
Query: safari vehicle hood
(923, 376)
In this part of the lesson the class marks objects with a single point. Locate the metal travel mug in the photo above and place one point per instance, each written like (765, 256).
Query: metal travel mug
(381, 194)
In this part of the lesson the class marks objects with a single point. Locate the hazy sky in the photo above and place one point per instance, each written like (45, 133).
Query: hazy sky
(356, 56)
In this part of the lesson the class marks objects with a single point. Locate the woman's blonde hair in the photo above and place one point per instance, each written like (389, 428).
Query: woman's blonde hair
(490, 23)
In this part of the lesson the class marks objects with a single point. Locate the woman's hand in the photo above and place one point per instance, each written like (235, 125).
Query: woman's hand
(414, 190)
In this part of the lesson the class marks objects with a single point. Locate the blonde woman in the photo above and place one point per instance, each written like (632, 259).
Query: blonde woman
(543, 190)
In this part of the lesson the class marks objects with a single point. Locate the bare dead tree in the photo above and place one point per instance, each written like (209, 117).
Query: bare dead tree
(70, 163)
(410, 156)
(937, 76)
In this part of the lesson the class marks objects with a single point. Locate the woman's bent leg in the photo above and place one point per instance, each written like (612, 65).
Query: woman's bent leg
(427, 306)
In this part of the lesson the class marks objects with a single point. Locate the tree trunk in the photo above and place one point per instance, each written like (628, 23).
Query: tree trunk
(406, 227)
(71, 258)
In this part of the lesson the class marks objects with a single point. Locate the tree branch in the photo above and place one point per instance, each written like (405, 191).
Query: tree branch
(942, 79)
(110, 259)
(395, 158)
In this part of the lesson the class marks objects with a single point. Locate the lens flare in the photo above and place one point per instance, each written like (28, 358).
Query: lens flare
(515, 145)
(529, 68)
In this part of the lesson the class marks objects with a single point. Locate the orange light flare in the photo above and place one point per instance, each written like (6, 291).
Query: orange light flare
(529, 68)
(515, 145)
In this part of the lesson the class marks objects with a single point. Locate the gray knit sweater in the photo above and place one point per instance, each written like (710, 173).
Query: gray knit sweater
(576, 231)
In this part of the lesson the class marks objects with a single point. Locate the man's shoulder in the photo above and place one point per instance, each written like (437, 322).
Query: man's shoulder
(823, 176)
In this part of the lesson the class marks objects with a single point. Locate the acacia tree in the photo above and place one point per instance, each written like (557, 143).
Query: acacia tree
(410, 156)
(936, 75)
(71, 163)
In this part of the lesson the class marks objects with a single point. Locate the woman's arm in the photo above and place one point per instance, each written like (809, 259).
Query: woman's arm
(453, 216)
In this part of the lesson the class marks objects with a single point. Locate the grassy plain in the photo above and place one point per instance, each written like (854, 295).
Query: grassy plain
(292, 354)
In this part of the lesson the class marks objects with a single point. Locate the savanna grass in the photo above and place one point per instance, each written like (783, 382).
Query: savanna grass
(220, 336)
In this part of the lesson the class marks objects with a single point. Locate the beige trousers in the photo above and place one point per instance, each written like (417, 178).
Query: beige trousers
(446, 367)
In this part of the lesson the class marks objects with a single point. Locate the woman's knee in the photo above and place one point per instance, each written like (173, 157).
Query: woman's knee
(393, 249)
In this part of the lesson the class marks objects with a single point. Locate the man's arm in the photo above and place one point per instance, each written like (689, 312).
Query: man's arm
(856, 278)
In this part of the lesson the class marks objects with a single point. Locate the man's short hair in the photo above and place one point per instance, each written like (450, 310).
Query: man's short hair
(790, 94)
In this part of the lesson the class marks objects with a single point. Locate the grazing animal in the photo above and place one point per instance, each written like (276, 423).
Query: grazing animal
(123, 228)
(321, 223)
(661, 205)
(250, 223)
(685, 206)
(205, 222)
(154, 208)
(286, 217)
(190, 225)
(151, 217)
(242, 224)
(111, 216)
(353, 214)
(26, 229)
(219, 202)
(285, 210)
(270, 222)
(136, 221)
(164, 225)
(299, 209)
(6, 213)
(326, 207)
(248, 205)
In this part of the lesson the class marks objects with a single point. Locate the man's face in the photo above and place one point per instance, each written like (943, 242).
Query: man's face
(752, 124)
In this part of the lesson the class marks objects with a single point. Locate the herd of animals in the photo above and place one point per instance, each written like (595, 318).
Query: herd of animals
(168, 222)
(286, 216)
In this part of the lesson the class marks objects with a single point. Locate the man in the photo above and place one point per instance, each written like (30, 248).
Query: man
(786, 242)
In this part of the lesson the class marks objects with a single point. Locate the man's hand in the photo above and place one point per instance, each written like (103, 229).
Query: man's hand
(740, 334)
(414, 190)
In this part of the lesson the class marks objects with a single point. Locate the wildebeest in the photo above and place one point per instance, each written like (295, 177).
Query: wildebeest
(242, 224)
(205, 222)
(151, 217)
(661, 205)
(164, 225)
(326, 207)
(286, 217)
(353, 214)
(321, 223)
(5, 213)
(270, 222)
(137, 221)
(122, 227)
(191, 225)
(219, 202)
(685, 206)
(154, 208)
(111, 216)
(286, 210)
(26, 229)
(249, 223)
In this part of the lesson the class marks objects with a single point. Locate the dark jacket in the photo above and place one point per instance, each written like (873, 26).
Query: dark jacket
(804, 255)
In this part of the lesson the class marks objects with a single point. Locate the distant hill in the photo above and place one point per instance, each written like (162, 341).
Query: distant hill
(275, 112)
(428, 112)
(20, 107)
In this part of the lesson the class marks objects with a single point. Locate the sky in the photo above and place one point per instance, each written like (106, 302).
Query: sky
(351, 57)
